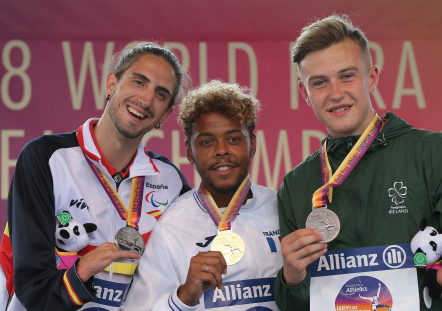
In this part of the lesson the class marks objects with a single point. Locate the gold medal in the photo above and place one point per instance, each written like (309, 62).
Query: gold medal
(230, 244)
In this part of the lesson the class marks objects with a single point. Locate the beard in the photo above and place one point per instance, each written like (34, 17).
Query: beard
(225, 189)
(116, 119)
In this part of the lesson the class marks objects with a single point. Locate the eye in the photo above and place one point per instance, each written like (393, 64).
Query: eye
(64, 234)
(234, 139)
(347, 76)
(162, 95)
(319, 83)
(205, 142)
(76, 230)
(433, 233)
(139, 82)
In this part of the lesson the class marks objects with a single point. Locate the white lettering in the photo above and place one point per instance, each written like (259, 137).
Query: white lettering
(88, 60)
(19, 71)
(117, 295)
(218, 295)
(233, 46)
(282, 149)
(408, 55)
(323, 263)
(257, 291)
(373, 259)
(238, 290)
(110, 291)
(294, 76)
(247, 292)
(360, 257)
(98, 289)
(351, 262)
(6, 162)
(203, 63)
(266, 291)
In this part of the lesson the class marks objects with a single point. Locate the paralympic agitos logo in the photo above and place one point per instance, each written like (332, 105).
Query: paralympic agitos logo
(150, 199)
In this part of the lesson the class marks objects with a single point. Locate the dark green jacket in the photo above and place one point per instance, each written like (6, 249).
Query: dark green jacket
(364, 203)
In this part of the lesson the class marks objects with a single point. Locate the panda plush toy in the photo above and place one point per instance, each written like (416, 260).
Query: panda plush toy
(427, 247)
(70, 238)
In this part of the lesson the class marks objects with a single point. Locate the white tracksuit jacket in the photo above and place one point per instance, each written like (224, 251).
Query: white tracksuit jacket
(186, 229)
(53, 176)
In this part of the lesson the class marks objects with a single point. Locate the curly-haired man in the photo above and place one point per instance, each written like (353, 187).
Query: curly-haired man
(237, 273)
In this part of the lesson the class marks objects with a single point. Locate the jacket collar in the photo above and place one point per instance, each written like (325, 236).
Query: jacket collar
(142, 164)
(394, 127)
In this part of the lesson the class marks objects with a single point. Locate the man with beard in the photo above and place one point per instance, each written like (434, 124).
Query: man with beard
(234, 219)
(98, 175)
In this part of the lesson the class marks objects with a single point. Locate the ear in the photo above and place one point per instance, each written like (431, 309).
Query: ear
(252, 145)
(90, 227)
(373, 76)
(423, 224)
(166, 115)
(189, 152)
(304, 92)
(111, 83)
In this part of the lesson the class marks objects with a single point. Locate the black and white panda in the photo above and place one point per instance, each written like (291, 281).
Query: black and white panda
(72, 236)
(429, 242)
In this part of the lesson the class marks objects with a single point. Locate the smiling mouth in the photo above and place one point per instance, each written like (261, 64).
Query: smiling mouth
(223, 168)
(136, 113)
(340, 109)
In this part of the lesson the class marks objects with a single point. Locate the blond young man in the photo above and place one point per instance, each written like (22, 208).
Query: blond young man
(377, 202)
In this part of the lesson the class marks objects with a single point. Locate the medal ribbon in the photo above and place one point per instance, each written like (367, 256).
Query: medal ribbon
(323, 195)
(224, 221)
(132, 216)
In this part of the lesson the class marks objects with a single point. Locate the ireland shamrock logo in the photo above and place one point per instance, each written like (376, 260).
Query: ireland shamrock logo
(397, 193)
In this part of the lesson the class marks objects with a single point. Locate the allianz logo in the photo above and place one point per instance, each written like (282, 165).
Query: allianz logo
(393, 257)
(230, 292)
(108, 293)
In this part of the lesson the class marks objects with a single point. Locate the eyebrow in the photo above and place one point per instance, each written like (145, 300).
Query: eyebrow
(339, 72)
(211, 134)
(146, 79)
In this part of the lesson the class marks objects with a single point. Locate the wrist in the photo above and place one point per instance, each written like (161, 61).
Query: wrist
(291, 282)
(82, 274)
(185, 297)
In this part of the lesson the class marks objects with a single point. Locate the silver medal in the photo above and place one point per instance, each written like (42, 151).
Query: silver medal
(129, 239)
(326, 221)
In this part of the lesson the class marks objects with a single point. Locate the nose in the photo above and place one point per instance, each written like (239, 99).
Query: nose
(222, 149)
(336, 92)
(146, 97)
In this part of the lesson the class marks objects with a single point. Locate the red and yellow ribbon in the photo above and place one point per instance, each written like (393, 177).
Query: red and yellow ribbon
(132, 216)
(223, 221)
(323, 195)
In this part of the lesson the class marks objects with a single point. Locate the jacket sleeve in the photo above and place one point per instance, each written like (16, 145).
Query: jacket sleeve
(289, 298)
(156, 279)
(39, 285)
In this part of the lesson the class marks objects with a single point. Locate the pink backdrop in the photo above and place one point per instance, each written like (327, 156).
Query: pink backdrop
(51, 81)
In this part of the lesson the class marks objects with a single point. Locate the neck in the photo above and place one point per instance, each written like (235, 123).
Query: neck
(117, 150)
(223, 199)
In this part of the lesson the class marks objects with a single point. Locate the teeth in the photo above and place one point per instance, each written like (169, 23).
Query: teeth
(223, 168)
(133, 111)
(340, 109)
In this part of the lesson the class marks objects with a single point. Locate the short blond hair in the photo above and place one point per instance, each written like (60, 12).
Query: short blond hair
(323, 33)
(231, 100)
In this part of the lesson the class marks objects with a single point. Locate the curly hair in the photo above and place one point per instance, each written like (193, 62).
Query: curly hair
(231, 100)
